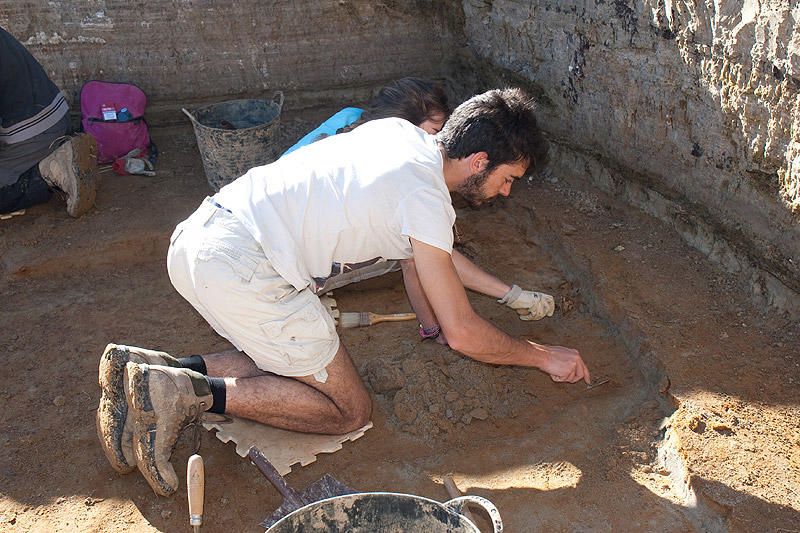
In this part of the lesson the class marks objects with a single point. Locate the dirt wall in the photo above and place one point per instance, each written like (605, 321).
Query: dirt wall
(184, 50)
(688, 108)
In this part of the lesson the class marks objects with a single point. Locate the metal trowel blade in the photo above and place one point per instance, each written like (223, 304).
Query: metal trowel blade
(325, 487)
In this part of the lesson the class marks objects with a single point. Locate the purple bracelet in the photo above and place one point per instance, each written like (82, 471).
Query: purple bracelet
(429, 333)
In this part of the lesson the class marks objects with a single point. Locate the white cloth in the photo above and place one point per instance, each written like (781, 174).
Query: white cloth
(346, 201)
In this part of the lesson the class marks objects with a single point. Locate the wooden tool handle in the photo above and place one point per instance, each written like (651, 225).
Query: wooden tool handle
(195, 488)
(396, 317)
(453, 492)
(274, 477)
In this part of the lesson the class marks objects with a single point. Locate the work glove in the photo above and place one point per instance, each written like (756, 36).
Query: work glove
(528, 304)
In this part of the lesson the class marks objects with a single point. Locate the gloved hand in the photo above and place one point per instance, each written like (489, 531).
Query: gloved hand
(528, 304)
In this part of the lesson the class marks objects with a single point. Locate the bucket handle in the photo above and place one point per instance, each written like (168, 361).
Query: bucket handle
(191, 117)
(456, 504)
(279, 96)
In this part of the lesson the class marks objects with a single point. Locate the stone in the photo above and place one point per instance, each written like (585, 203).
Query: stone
(411, 366)
(480, 413)
(384, 377)
(696, 424)
(404, 411)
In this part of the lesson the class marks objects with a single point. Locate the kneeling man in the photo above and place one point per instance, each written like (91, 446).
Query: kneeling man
(251, 258)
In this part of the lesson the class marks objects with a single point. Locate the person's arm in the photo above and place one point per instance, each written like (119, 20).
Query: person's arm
(419, 302)
(475, 278)
(475, 337)
(530, 305)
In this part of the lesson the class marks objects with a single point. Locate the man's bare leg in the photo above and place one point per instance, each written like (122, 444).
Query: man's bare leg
(339, 405)
(231, 363)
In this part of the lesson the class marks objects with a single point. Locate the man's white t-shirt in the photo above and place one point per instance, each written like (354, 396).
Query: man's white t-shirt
(346, 201)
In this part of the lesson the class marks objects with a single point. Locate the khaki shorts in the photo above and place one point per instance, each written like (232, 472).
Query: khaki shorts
(217, 266)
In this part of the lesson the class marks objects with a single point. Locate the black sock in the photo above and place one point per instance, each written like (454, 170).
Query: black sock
(218, 393)
(194, 362)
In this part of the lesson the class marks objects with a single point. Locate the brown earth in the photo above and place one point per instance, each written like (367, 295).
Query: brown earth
(697, 427)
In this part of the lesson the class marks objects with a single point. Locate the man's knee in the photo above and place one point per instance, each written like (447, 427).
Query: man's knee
(358, 414)
(356, 410)
(348, 392)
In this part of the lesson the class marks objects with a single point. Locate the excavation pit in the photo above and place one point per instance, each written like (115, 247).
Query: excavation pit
(667, 333)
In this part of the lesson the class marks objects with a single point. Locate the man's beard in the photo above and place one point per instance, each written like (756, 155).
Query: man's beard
(472, 188)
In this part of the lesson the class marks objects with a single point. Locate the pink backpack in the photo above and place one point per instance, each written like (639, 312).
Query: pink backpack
(113, 113)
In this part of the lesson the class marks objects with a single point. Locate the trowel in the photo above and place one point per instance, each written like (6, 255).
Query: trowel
(326, 487)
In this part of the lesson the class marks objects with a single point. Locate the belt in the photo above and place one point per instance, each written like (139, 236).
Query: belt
(218, 205)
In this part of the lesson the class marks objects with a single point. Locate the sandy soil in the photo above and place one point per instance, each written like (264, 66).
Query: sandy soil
(696, 428)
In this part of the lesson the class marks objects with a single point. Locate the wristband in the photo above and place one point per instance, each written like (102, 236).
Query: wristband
(429, 333)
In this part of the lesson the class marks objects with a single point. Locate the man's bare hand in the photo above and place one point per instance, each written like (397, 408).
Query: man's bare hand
(564, 364)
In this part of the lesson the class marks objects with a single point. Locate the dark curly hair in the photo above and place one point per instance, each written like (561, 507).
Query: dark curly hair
(500, 122)
(413, 99)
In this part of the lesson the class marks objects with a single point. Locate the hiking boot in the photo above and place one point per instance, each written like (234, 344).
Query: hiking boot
(72, 168)
(114, 426)
(164, 400)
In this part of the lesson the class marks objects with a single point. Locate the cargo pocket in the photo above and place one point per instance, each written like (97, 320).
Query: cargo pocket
(300, 338)
(242, 265)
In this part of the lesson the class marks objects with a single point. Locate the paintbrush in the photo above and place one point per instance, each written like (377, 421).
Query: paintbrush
(357, 320)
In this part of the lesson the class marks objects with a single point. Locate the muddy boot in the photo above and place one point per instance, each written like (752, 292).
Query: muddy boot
(114, 426)
(72, 168)
(164, 400)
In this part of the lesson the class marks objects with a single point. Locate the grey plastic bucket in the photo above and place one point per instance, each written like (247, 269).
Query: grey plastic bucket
(235, 136)
(385, 512)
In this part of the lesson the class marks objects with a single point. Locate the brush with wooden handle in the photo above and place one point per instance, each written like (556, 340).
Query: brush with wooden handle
(195, 490)
(357, 320)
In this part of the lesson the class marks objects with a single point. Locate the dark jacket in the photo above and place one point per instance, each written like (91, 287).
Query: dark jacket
(29, 102)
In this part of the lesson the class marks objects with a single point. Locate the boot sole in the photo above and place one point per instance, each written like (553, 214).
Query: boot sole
(86, 165)
(146, 422)
(112, 420)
